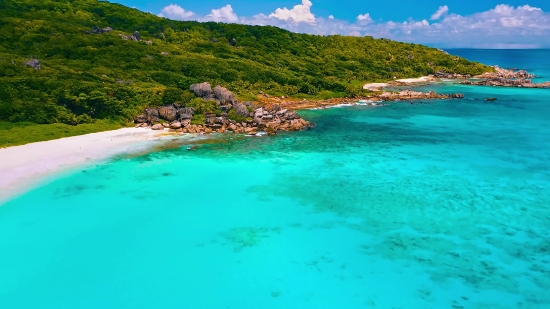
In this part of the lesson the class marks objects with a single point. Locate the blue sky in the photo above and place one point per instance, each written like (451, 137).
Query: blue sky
(466, 23)
(386, 10)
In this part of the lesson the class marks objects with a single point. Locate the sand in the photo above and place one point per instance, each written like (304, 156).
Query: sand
(379, 86)
(23, 166)
(375, 86)
(422, 79)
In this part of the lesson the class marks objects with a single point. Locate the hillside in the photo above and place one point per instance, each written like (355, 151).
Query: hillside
(85, 76)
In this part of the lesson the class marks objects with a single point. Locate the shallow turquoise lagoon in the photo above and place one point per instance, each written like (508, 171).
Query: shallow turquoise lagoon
(439, 204)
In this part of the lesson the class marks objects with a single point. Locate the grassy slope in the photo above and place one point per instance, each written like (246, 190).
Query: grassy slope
(14, 134)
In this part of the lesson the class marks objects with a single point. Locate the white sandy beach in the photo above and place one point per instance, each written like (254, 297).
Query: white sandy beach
(422, 79)
(379, 86)
(23, 166)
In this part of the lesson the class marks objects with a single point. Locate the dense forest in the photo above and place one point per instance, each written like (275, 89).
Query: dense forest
(76, 61)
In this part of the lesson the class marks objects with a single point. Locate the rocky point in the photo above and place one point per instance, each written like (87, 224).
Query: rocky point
(253, 118)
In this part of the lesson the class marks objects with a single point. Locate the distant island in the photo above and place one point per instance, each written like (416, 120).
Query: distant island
(92, 65)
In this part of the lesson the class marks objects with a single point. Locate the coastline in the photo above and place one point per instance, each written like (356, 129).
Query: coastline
(23, 166)
(372, 100)
(27, 165)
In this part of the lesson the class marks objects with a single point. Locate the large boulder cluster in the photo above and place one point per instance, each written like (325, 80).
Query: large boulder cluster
(406, 95)
(506, 82)
(174, 115)
(506, 78)
(506, 73)
(253, 119)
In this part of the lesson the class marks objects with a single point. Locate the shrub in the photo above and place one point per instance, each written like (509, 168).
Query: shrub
(233, 116)
(197, 119)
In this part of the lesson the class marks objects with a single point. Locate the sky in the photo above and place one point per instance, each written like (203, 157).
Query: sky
(439, 23)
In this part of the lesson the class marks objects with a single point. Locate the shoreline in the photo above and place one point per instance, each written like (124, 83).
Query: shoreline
(371, 100)
(26, 166)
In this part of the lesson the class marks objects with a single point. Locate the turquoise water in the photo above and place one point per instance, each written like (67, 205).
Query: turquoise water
(444, 204)
(535, 61)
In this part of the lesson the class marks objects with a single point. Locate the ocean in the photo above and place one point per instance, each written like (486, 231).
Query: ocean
(436, 204)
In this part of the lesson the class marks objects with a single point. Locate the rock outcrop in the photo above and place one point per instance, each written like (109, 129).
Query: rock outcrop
(505, 82)
(416, 95)
(34, 63)
(451, 75)
(97, 30)
(506, 74)
(152, 115)
(178, 118)
(506, 78)
(136, 36)
(499, 78)
(241, 109)
(185, 113)
(168, 113)
(224, 96)
(202, 90)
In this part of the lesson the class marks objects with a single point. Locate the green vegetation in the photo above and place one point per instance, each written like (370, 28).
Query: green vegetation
(13, 134)
(86, 77)
(238, 118)
(203, 107)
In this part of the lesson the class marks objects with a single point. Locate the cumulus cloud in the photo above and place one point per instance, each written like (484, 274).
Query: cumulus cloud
(502, 26)
(364, 18)
(224, 14)
(442, 11)
(299, 13)
(174, 11)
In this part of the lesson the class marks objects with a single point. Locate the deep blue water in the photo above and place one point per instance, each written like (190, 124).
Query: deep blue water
(444, 204)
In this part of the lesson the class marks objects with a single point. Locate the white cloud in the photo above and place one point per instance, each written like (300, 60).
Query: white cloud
(224, 15)
(502, 26)
(299, 13)
(442, 11)
(174, 11)
(364, 18)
